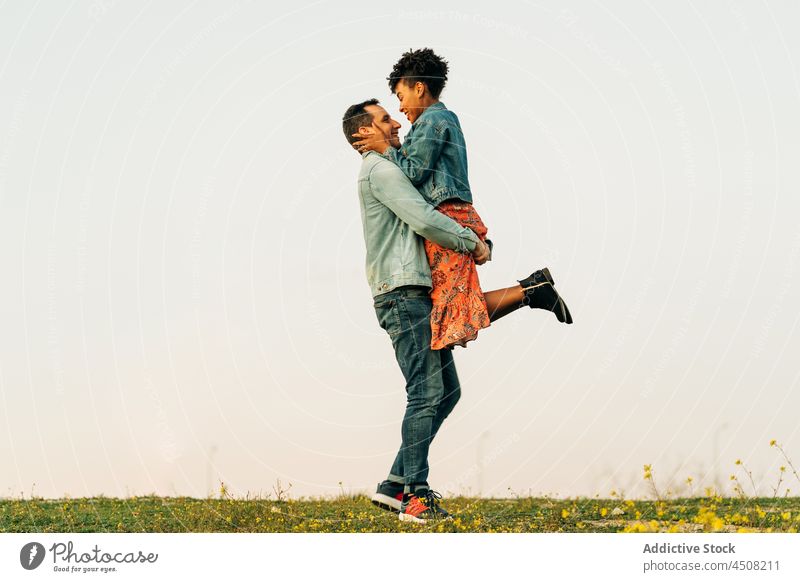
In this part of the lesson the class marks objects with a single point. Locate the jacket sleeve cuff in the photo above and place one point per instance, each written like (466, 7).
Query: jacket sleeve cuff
(473, 241)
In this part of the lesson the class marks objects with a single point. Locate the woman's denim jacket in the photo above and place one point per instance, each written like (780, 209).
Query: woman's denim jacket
(395, 218)
(434, 156)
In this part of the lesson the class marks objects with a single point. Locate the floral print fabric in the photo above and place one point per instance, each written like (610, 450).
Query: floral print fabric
(459, 309)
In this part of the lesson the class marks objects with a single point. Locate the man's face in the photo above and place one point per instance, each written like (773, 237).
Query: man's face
(410, 98)
(388, 126)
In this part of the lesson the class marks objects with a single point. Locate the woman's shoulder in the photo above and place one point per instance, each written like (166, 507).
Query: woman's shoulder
(440, 117)
(438, 110)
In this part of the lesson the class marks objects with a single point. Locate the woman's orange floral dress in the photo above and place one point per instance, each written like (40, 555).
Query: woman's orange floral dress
(459, 309)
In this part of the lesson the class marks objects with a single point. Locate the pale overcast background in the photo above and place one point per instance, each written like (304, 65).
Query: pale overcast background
(184, 299)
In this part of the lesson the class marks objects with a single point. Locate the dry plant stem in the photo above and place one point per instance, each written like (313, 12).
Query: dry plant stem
(224, 493)
(648, 475)
(778, 486)
(750, 476)
(788, 460)
(737, 488)
(280, 492)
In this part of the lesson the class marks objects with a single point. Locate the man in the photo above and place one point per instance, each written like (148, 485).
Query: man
(393, 214)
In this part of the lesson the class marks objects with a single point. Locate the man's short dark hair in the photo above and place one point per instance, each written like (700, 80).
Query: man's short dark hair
(357, 116)
(420, 65)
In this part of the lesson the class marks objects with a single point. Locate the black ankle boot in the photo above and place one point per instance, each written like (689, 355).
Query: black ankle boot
(540, 293)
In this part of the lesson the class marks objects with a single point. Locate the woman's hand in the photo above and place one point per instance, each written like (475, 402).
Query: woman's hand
(376, 141)
(480, 253)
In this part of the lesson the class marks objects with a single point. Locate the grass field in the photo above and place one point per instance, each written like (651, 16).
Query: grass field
(348, 513)
(354, 513)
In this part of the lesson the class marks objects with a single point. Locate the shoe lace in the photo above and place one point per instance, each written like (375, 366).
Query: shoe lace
(431, 499)
(416, 506)
(419, 504)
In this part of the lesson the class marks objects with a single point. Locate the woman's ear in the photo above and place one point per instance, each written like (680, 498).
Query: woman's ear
(419, 88)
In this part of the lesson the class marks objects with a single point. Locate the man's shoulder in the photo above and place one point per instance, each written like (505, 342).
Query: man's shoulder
(374, 164)
(368, 162)
(383, 178)
(371, 159)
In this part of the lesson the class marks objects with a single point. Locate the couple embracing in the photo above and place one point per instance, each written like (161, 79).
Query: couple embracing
(424, 239)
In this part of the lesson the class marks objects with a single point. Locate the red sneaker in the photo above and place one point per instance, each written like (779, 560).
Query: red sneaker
(420, 509)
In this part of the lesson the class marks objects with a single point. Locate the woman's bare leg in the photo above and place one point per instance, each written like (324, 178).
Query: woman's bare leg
(501, 302)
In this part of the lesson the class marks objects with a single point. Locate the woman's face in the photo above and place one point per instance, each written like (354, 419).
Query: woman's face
(410, 97)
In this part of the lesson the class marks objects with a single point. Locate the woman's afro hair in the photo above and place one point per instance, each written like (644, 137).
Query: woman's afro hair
(420, 65)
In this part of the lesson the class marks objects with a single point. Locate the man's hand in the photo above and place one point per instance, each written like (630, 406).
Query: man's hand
(480, 253)
(377, 142)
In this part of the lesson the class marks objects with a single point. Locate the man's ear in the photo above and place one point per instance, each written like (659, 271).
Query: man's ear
(420, 88)
(366, 130)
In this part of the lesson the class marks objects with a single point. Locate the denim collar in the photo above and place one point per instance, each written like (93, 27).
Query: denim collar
(435, 107)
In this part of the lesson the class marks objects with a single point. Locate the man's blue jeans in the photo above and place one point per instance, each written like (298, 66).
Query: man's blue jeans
(432, 385)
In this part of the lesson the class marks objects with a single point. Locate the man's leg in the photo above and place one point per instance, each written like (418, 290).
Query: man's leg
(452, 389)
(452, 394)
(405, 315)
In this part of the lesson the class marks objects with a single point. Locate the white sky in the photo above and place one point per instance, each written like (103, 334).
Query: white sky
(184, 297)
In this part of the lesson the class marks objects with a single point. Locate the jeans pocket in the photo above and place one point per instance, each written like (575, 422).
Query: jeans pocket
(384, 304)
(388, 317)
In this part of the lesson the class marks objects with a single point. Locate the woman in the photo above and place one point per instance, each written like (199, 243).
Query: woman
(433, 157)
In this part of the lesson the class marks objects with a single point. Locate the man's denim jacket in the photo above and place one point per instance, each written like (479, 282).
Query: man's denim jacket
(393, 213)
(434, 156)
